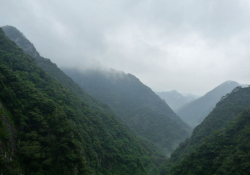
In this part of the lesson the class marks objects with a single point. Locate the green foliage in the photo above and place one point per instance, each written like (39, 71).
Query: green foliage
(225, 112)
(56, 132)
(226, 151)
(138, 106)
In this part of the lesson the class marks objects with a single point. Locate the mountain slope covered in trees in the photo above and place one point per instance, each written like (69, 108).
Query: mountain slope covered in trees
(16, 36)
(46, 129)
(140, 108)
(226, 151)
(173, 136)
(194, 112)
(175, 99)
(216, 141)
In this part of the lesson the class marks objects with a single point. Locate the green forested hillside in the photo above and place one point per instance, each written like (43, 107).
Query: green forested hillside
(193, 113)
(225, 151)
(168, 136)
(226, 111)
(46, 129)
(140, 108)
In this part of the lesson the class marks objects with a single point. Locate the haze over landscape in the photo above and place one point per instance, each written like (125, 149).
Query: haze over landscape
(190, 46)
(124, 87)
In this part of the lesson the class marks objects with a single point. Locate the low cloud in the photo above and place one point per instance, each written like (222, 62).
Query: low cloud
(191, 46)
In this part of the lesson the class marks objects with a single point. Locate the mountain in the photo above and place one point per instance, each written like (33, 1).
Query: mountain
(223, 152)
(46, 129)
(194, 112)
(220, 142)
(139, 107)
(175, 99)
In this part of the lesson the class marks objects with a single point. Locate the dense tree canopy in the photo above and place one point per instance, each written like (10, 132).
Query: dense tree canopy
(207, 135)
(138, 106)
(46, 129)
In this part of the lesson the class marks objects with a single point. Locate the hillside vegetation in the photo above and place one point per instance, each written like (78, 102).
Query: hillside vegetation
(225, 151)
(46, 129)
(139, 107)
(216, 124)
(166, 140)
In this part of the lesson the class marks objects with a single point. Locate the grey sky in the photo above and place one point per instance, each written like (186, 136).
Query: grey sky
(191, 46)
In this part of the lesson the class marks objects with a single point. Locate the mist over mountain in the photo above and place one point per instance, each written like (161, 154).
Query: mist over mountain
(49, 125)
(47, 129)
(85, 87)
(18, 37)
(194, 112)
(175, 99)
(139, 107)
(220, 144)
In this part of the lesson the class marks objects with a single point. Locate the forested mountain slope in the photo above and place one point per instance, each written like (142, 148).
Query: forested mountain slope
(226, 151)
(172, 137)
(226, 111)
(175, 99)
(140, 108)
(45, 129)
(193, 113)
(16, 36)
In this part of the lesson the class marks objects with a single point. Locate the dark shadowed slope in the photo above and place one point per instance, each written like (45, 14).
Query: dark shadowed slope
(225, 112)
(141, 109)
(176, 100)
(45, 129)
(194, 112)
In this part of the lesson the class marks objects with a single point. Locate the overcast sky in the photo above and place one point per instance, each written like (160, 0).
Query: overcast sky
(190, 46)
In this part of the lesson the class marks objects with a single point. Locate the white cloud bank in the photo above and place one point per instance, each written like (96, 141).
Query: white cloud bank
(191, 46)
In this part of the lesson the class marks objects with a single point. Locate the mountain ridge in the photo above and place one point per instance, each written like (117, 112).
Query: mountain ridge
(55, 131)
(139, 107)
(194, 112)
(226, 111)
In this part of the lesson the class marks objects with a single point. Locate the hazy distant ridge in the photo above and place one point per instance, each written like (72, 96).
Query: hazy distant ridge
(220, 144)
(194, 112)
(175, 99)
(140, 108)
